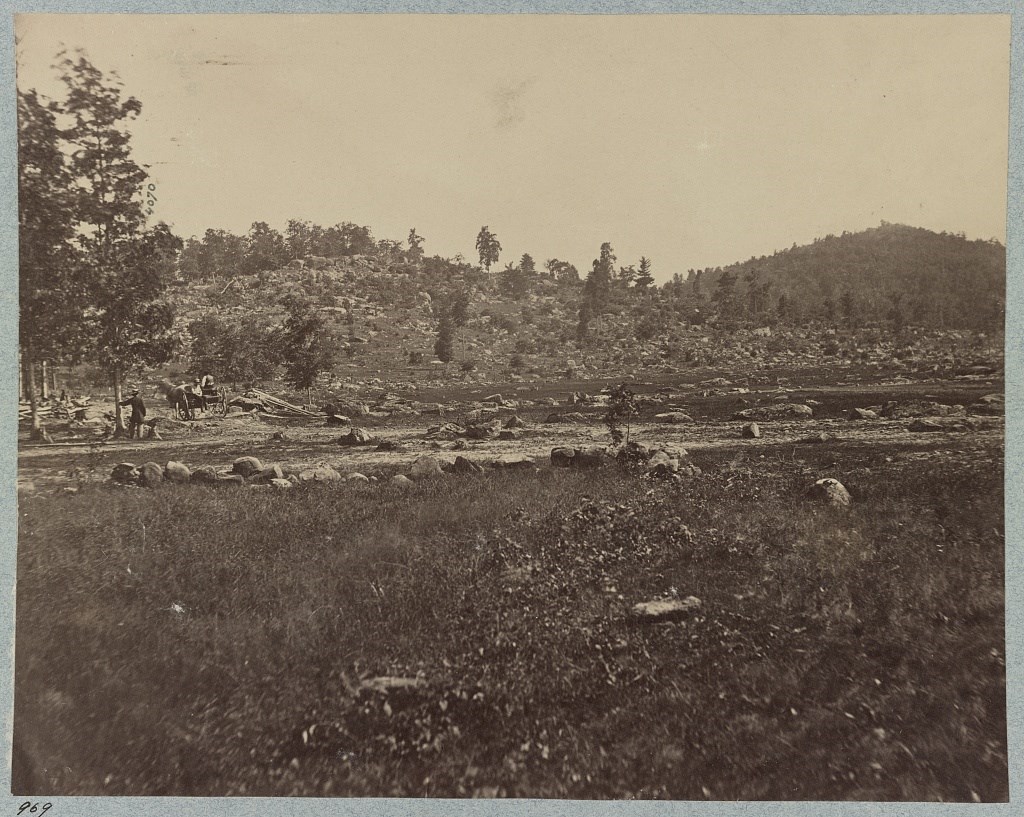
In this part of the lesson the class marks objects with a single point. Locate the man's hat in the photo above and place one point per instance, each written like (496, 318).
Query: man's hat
(134, 390)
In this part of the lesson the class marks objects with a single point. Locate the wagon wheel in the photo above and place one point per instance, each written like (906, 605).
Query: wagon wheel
(221, 405)
(182, 409)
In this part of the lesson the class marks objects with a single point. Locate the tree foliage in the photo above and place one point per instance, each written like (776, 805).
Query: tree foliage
(305, 345)
(488, 247)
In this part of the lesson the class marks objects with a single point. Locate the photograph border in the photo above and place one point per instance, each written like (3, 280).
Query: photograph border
(1014, 384)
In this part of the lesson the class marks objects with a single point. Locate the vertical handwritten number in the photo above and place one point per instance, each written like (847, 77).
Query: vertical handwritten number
(24, 806)
(45, 808)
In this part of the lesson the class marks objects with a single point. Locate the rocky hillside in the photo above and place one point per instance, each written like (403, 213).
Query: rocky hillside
(854, 300)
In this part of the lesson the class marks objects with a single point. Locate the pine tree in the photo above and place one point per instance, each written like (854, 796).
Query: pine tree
(126, 265)
(644, 278)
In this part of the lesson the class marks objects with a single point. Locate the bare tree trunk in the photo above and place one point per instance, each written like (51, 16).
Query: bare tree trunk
(46, 380)
(120, 430)
(30, 364)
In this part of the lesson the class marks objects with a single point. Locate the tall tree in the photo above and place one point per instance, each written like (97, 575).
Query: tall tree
(265, 249)
(644, 278)
(50, 294)
(305, 345)
(488, 247)
(415, 245)
(126, 265)
(443, 345)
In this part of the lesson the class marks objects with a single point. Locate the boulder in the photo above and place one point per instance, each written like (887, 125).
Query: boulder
(508, 434)
(820, 437)
(271, 472)
(661, 464)
(483, 431)
(661, 610)
(895, 410)
(447, 431)
(562, 457)
(593, 456)
(336, 420)
(778, 411)
(356, 477)
(425, 467)
(465, 466)
(515, 421)
(673, 417)
(400, 481)
(125, 472)
(246, 466)
(830, 492)
(151, 474)
(460, 445)
(357, 436)
(751, 431)
(863, 414)
(176, 472)
(281, 484)
(205, 473)
(510, 461)
(323, 473)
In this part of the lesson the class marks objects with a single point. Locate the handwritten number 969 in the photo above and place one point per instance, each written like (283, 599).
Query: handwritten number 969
(33, 808)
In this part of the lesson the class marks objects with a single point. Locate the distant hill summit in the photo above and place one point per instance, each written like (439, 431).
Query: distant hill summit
(890, 272)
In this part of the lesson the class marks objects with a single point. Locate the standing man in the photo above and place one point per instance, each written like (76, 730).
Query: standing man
(138, 415)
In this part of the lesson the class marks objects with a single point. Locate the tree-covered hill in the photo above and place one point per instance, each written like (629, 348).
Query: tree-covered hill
(889, 273)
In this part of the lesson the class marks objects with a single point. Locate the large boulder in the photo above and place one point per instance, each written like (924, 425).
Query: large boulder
(176, 472)
(446, 431)
(673, 417)
(896, 410)
(125, 472)
(337, 420)
(661, 464)
(751, 431)
(593, 456)
(400, 481)
(356, 436)
(356, 477)
(271, 472)
(465, 466)
(829, 491)
(510, 461)
(562, 456)
(151, 474)
(778, 411)
(246, 466)
(323, 473)
(863, 414)
(515, 421)
(425, 467)
(484, 430)
(205, 473)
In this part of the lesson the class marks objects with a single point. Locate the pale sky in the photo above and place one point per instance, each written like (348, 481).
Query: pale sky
(694, 140)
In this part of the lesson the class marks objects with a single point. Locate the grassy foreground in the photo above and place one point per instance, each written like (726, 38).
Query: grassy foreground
(212, 642)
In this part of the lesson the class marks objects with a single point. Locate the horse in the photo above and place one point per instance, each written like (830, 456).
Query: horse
(177, 395)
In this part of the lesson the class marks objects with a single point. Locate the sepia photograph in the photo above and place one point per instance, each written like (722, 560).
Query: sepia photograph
(575, 407)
